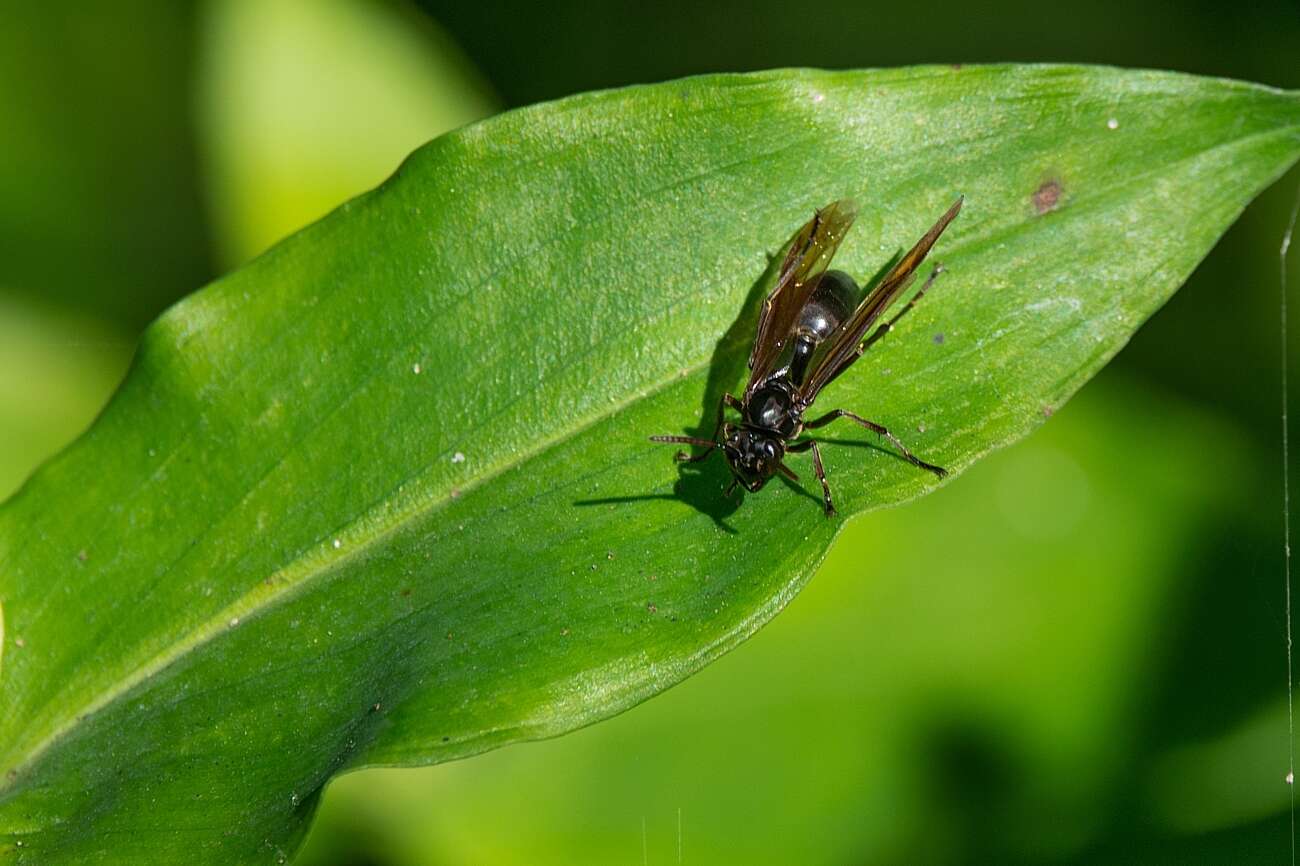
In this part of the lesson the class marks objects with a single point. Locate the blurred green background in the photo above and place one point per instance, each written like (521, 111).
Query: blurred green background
(1074, 654)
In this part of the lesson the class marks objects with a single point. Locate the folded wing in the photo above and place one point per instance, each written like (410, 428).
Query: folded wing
(844, 346)
(810, 253)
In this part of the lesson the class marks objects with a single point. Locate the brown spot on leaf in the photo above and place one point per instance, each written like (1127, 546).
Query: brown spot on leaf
(1047, 197)
(1047, 411)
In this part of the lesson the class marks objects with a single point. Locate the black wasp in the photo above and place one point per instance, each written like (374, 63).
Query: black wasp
(816, 314)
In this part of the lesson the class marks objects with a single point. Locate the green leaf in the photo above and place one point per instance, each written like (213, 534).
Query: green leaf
(384, 495)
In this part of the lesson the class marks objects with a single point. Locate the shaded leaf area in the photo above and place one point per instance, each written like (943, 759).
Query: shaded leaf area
(384, 495)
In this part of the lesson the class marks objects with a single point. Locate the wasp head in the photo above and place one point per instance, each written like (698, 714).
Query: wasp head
(753, 456)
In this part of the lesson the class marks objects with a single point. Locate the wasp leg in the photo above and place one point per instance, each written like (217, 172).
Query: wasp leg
(889, 326)
(811, 445)
(732, 488)
(883, 431)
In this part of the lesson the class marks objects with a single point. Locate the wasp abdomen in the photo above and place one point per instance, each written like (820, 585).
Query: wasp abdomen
(831, 302)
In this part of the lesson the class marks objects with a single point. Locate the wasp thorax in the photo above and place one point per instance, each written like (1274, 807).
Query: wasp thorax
(770, 409)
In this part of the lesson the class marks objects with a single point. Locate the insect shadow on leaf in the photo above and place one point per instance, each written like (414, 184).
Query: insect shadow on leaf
(700, 484)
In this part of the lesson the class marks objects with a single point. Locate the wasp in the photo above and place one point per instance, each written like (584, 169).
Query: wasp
(813, 326)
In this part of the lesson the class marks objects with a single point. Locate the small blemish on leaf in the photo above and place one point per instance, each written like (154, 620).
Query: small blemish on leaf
(1047, 411)
(652, 607)
(82, 555)
(19, 642)
(1047, 196)
(938, 339)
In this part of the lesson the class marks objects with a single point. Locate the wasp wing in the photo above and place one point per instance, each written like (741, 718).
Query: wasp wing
(809, 254)
(844, 346)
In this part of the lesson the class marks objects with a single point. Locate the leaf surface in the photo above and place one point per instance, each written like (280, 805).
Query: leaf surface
(384, 495)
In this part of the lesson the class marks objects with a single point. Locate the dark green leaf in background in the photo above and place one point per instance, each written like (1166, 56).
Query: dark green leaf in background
(100, 209)
(384, 496)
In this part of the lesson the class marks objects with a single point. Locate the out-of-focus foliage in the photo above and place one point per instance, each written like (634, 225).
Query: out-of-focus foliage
(99, 203)
(56, 370)
(540, 51)
(305, 103)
